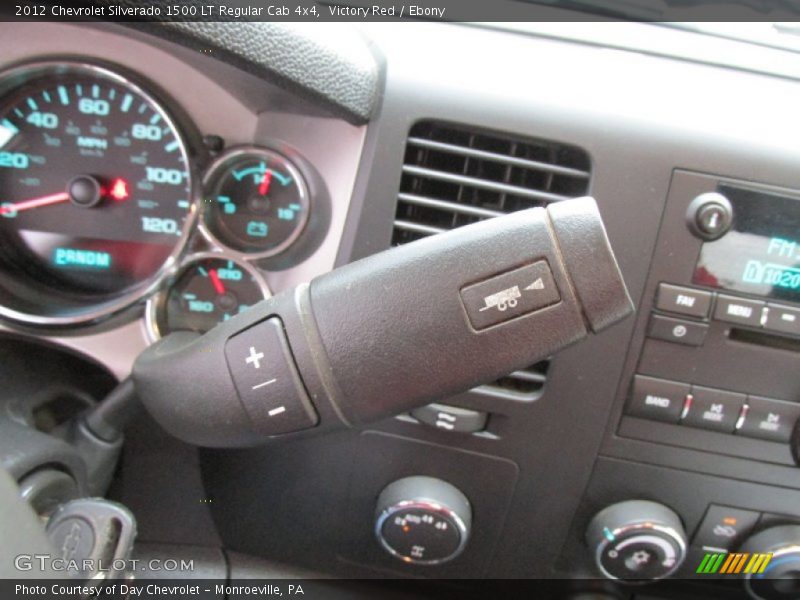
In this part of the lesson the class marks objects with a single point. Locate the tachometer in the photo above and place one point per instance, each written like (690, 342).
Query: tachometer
(95, 192)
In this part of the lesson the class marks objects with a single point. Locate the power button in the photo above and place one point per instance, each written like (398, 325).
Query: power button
(710, 216)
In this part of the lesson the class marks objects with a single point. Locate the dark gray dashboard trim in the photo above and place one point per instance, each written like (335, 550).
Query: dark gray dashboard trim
(340, 71)
(639, 116)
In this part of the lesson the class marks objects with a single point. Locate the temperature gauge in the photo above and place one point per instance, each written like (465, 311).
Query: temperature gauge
(256, 201)
(206, 291)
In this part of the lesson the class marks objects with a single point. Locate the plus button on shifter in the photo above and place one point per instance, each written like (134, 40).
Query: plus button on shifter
(254, 358)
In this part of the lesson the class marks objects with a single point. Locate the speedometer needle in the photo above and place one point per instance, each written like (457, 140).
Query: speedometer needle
(219, 287)
(34, 203)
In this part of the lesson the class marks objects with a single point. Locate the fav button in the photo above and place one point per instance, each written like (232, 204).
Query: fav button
(712, 409)
(657, 399)
(738, 310)
(724, 527)
(684, 301)
(769, 419)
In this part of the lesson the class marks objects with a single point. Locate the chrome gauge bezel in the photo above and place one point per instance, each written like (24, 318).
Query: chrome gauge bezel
(425, 505)
(20, 75)
(157, 301)
(777, 553)
(634, 528)
(217, 167)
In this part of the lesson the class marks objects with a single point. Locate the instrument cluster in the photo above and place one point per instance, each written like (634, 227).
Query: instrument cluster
(109, 196)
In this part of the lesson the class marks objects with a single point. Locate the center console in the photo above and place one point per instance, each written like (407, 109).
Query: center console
(721, 323)
(704, 436)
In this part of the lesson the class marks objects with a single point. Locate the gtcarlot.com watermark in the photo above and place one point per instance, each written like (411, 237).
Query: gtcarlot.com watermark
(45, 562)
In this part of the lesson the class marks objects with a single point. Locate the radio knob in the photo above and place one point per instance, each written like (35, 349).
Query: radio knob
(710, 216)
(422, 520)
(637, 540)
(780, 578)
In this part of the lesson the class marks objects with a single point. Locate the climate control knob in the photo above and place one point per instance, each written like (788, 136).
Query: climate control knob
(775, 573)
(637, 540)
(422, 520)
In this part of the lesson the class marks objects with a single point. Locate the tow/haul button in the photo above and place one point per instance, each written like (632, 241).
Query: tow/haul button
(510, 295)
(268, 383)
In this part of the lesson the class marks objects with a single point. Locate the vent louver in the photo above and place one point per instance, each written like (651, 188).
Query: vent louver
(453, 176)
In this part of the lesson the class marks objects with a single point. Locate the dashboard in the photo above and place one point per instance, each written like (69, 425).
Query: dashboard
(156, 181)
(85, 274)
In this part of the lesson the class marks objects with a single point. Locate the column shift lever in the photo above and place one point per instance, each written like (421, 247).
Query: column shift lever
(391, 332)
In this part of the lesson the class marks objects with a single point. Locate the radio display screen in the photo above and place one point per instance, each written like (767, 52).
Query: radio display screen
(761, 252)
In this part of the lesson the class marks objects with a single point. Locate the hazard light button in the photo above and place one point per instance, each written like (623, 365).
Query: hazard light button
(510, 295)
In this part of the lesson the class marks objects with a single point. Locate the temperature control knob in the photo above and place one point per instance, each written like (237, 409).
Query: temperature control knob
(775, 574)
(637, 540)
(422, 520)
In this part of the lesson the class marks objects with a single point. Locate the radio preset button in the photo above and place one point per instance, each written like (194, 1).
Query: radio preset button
(684, 301)
(783, 319)
(715, 410)
(769, 419)
(657, 399)
(738, 310)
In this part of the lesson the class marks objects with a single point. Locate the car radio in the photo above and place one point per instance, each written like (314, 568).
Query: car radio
(714, 361)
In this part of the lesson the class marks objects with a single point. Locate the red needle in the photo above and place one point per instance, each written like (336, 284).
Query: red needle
(34, 203)
(263, 187)
(218, 285)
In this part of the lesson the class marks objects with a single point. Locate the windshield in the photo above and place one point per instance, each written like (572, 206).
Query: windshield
(771, 23)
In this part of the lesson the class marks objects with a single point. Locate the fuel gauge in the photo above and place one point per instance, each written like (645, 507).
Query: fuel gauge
(206, 291)
(256, 201)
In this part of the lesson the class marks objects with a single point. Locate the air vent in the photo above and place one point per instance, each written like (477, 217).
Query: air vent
(453, 176)
(526, 384)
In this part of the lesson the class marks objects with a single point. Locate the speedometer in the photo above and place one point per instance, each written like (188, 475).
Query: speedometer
(95, 193)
